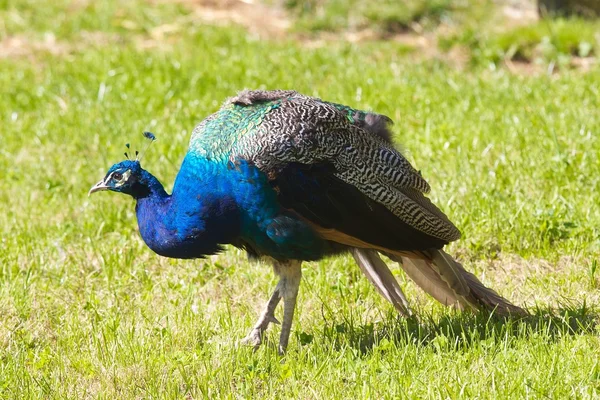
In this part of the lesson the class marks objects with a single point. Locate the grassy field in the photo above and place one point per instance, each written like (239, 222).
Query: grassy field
(87, 311)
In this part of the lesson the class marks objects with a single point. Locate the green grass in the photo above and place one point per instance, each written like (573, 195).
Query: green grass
(386, 16)
(88, 311)
(542, 42)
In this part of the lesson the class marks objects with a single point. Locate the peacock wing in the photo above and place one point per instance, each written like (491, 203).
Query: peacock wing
(340, 212)
(334, 167)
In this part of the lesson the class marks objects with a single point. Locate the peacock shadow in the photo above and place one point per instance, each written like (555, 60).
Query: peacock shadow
(455, 331)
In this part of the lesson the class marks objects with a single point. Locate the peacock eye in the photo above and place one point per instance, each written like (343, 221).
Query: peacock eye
(117, 176)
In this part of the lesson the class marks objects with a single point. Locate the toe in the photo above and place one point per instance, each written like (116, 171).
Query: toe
(254, 338)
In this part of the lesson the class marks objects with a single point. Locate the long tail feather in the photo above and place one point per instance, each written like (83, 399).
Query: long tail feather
(421, 272)
(447, 281)
(488, 297)
(381, 277)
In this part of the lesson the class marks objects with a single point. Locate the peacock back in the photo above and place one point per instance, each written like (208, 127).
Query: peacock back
(327, 162)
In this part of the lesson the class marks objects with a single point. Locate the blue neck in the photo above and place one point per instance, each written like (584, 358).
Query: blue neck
(151, 208)
(183, 226)
(149, 189)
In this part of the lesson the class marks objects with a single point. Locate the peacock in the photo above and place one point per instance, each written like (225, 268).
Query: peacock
(292, 178)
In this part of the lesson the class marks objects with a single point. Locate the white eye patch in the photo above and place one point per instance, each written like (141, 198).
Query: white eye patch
(125, 176)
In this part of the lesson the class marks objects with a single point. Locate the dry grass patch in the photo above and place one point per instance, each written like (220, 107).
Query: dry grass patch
(259, 19)
(31, 46)
(23, 46)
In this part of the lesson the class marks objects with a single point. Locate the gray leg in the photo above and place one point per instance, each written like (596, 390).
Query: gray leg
(287, 288)
(290, 275)
(254, 338)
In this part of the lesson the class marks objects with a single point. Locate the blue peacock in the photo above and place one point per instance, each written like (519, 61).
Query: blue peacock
(293, 178)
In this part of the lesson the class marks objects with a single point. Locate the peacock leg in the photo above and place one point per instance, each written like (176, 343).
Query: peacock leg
(290, 274)
(254, 338)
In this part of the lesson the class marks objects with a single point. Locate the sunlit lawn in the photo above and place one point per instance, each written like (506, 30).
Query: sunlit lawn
(88, 311)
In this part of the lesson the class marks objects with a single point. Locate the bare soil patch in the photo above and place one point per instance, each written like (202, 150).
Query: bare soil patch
(258, 18)
(25, 46)
(22, 46)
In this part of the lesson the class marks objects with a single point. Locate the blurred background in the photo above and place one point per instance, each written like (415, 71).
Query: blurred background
(528, 33)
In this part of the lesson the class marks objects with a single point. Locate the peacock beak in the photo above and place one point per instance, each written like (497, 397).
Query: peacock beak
(98, 187)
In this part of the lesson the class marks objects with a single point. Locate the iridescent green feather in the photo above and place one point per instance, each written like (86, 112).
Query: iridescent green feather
(214, 137)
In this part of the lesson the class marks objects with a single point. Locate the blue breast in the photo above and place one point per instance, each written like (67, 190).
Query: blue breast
(220, 202)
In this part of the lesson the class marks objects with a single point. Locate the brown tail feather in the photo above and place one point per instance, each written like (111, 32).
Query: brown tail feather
(434, 271)
(488, 297)
(381, 277)
(447, 281)
(421, 272)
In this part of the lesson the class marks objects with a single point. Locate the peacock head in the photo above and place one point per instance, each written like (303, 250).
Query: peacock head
(127, 176)
(122, 177)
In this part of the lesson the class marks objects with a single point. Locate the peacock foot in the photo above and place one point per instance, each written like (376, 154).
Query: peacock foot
(254, 338)
(287, 288)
